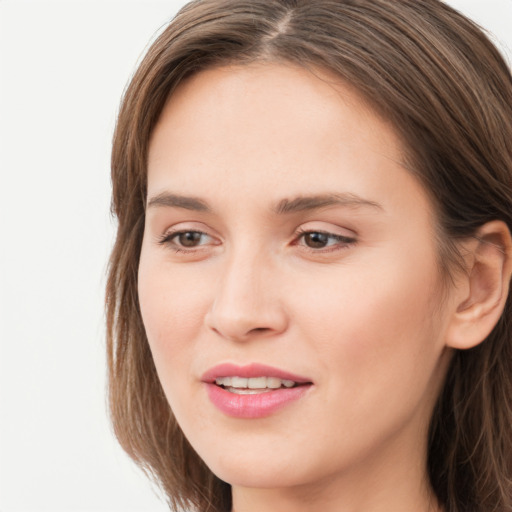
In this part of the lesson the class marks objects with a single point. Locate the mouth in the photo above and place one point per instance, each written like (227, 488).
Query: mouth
(254, 385)
(253, 391)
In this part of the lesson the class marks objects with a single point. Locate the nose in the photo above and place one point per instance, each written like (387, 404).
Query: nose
(247, 301)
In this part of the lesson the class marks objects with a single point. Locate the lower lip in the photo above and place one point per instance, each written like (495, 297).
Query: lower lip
(253, 406)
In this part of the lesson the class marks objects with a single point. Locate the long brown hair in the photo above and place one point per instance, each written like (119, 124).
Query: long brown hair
(448, 92)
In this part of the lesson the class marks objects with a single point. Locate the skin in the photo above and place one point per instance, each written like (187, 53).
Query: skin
(359, 317)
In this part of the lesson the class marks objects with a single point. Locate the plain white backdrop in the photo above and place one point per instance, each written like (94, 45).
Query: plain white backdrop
(63, 67)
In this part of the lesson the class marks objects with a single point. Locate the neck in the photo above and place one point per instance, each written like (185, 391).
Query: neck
(366, 495)
(395, 480)
(272, 500)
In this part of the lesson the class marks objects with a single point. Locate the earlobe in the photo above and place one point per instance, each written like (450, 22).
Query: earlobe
(483, 293)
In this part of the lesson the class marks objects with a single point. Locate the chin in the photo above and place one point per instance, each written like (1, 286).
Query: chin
(264, 469)
(263, 477)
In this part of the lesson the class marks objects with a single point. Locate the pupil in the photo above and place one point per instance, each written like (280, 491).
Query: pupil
(190, 238)
(316, 240)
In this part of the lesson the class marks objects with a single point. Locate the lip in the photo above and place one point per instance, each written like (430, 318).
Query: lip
(258, 405)
(250, 370)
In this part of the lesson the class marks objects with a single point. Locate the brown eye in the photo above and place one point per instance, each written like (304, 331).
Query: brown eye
(316, 240)
(189, 238)
(323, 240)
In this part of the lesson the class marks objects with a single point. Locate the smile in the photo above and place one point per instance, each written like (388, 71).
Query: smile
(253, 391)
(253, 385)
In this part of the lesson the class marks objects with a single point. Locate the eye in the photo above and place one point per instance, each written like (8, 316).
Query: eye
(189, 238)
(323, 240)
(186, 239)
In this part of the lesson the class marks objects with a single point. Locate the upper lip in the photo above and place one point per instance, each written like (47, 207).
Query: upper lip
(250, 370)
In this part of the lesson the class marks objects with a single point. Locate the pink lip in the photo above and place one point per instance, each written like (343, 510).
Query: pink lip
(252, 406)
(250, 370)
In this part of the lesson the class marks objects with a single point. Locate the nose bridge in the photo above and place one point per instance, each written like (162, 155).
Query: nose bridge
(246, 301)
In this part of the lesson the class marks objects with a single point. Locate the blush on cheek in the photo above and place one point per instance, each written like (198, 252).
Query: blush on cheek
(381, 327)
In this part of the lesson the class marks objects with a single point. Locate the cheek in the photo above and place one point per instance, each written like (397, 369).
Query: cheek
(377, 341)
(377, 322)
(171, 307)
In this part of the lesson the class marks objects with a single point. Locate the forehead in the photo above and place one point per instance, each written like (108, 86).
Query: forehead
(275, 129)
(269, 98)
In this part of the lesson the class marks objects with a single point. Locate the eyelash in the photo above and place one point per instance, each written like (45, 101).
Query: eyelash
(168, 240)
(341, 242)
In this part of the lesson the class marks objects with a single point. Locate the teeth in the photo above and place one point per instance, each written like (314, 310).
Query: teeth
(260, 383)
(273, 382)
(256, 383)
(239, 382)
(222, 381)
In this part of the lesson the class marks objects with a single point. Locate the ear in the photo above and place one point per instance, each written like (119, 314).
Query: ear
(483, 290)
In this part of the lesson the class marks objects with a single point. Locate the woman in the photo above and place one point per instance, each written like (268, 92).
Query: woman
(308, 297)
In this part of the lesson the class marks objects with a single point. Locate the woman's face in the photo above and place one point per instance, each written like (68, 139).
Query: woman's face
(286, 245)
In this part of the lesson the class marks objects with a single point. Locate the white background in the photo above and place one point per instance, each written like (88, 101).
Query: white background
(63, 67)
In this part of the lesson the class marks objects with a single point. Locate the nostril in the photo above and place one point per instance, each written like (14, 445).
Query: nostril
(245, 321)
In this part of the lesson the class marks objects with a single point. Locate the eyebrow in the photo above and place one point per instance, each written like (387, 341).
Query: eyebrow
(178, 201)
(304, 203)
(283, 207)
